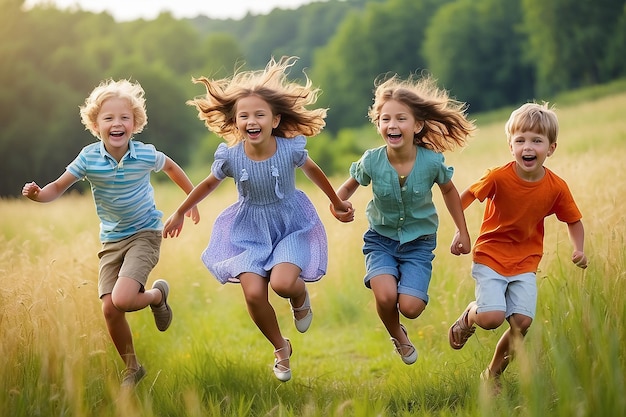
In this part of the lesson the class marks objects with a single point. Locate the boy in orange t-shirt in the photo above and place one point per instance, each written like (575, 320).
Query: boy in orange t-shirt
(507, 252)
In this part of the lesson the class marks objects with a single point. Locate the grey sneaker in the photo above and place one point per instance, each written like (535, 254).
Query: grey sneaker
(131, 377)
(162, 312)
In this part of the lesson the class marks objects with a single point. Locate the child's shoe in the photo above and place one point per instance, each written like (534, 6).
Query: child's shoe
(459, 332)
(162, 312)
(282, 372)
(131, 377)
(402, 349)
(304, 323)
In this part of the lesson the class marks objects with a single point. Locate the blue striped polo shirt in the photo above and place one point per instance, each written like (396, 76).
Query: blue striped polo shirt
(122, 192)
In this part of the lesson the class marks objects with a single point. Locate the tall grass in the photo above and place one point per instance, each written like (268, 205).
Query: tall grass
(57, 359)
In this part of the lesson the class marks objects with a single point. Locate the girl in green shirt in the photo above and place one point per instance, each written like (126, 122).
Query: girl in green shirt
(417, 122)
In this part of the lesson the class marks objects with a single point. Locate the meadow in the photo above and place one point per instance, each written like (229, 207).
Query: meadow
(58, 359)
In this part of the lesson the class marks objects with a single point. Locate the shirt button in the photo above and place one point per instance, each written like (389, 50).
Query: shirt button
(401, 218)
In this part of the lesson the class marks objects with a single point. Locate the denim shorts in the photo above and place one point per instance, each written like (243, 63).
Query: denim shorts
(410, 263)
(513, 295)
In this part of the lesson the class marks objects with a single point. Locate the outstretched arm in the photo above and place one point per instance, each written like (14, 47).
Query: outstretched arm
(177, 174)
(461, 243)
(51, 191)
(174, 224)
(577, 236)
(342, 209)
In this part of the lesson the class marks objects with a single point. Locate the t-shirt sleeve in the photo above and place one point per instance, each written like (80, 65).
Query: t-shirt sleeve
(221, 167)
(484, 187)
(566, 209)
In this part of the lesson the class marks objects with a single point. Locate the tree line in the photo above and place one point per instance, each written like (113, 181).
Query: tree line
(488, 53)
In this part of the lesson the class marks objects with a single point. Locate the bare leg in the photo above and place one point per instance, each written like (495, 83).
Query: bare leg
(126, 296)
(286, 282)
(385, 289)
(120, 332)
(255, 291)
(507, 343)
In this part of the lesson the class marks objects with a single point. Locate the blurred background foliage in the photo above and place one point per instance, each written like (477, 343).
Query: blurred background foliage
(488, 53)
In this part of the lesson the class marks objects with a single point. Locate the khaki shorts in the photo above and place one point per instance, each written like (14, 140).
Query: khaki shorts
(134, 257)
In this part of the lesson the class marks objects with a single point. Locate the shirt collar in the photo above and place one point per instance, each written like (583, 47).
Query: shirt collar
(131, 153)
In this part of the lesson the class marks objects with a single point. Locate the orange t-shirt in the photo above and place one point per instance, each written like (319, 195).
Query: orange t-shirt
(511, 234)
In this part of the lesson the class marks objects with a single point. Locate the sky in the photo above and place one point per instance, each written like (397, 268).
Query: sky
(123, 10)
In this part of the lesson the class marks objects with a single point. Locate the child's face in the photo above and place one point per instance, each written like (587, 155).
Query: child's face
(115, 124)
(254, 119)
(397, 125)
(530, 151)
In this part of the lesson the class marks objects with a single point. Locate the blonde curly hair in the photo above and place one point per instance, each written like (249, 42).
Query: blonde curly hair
(288, 99)
(124, 89)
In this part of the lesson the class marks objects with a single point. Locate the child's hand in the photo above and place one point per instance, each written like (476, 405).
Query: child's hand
(194, 214)
(344, 212)
(173, 225)
(461, 244)
(579, 259)
(31, 190)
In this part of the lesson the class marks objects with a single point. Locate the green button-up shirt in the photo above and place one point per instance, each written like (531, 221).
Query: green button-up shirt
(402, 213)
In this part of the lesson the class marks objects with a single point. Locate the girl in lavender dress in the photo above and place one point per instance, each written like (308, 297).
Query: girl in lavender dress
(272, 235)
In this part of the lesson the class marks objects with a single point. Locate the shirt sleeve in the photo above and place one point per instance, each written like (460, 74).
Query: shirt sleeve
(298, 150)
(566, 209)
(221, 167)
(159, 163)
(484, 187)
(359, 172)
(444, 172)
(78, 167)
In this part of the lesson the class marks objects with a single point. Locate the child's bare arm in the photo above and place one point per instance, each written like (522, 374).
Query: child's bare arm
(177, 174)
(51, 191)
(342, 208)
(461, 243)
(577, 236)
(174, 224)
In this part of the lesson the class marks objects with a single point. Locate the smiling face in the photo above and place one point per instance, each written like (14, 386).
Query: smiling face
(255, 120)
(398, 126)
(115, 125)
(530, 151)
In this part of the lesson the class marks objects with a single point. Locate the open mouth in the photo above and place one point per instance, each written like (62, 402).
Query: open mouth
(116, 134)
(528, 158)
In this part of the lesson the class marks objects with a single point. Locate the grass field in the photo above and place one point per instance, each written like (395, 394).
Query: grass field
(57, 359)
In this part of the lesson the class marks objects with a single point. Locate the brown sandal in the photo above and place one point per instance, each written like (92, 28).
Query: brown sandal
(459, 332)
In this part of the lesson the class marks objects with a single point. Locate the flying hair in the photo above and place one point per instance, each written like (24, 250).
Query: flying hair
(446, 126)
(289, 99)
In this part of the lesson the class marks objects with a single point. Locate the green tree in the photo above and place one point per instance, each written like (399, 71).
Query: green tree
(473, 49)
(573, 43)
(220, 54)
(384, 39)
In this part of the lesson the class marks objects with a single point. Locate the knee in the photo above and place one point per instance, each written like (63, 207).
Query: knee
(281, 288)
(255, 298)
(490, 320)
(110, 312)
(520, 323)
(121, 302)
(413, 308)
(386, 299)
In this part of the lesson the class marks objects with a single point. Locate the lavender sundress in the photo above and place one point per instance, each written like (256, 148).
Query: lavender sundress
(272, 222)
